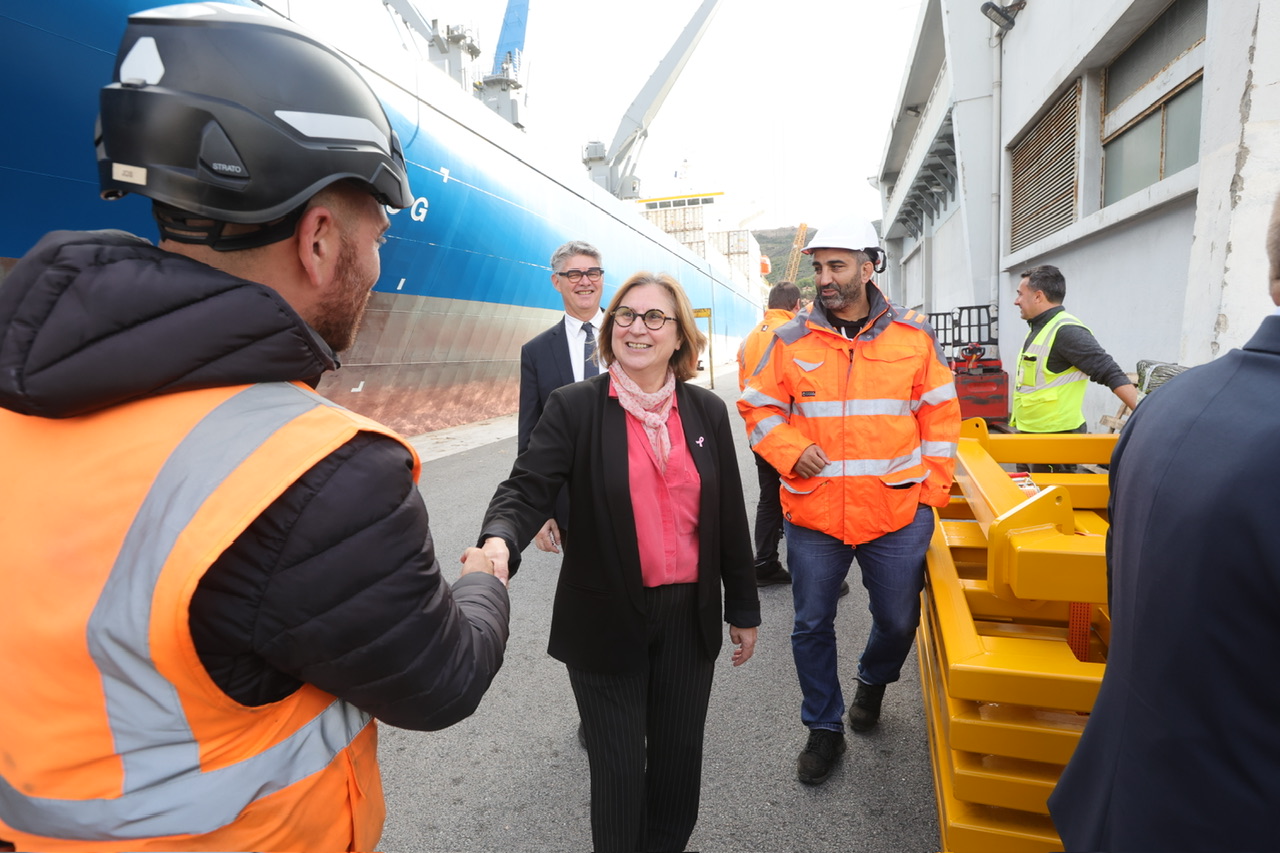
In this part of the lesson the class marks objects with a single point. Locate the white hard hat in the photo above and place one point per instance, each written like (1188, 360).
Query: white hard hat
(856, 236)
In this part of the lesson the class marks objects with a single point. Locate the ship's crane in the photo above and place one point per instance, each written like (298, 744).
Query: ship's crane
(450, 48)
(511, 38)
(500, 90)
(453, 48)
(615, 169)
(793, 260)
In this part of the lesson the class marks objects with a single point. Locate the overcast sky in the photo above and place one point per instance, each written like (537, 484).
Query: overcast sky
(784, 107)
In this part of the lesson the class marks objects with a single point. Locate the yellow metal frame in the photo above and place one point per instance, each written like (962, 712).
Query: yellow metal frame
(1042, 735)
(1035, 552)
(1022, 664)
(1041, 449)
(968, 826)
(1006, 698)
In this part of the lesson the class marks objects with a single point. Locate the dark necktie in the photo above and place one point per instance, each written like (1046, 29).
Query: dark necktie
(589, 367)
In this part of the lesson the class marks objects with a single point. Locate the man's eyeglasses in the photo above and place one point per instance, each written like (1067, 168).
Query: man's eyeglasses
(653, 318)
(575, 276)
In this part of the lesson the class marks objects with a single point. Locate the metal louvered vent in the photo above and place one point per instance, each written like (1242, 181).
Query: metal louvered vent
(1043, 197)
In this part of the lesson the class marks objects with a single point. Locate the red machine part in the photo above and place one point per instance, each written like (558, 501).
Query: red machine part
(981, 384)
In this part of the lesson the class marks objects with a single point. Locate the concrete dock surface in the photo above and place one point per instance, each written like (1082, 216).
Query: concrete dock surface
(513, 777)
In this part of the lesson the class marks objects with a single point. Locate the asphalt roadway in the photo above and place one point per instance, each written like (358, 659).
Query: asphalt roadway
(513, 777)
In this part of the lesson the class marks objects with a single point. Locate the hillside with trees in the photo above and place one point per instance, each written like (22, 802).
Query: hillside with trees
(776, 244)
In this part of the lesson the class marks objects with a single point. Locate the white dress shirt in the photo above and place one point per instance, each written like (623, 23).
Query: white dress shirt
(576, 337)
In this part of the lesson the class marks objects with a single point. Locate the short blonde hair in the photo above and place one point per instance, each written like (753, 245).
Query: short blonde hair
(684, 361)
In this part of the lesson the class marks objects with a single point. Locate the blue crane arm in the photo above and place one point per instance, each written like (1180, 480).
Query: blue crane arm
(511, 39)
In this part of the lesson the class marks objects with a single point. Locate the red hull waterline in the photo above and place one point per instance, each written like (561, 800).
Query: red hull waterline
(424, 363)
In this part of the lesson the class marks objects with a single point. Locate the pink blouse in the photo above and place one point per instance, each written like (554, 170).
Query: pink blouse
(665, 505)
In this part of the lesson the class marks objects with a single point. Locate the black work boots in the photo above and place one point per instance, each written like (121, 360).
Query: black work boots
(865, 712)
(825, 747)
(819, 756)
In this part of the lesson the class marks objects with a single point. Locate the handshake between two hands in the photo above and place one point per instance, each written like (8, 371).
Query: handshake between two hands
(492, 559)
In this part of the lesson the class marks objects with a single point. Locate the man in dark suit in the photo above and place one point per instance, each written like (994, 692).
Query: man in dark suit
(1182, 750)
(560, 355)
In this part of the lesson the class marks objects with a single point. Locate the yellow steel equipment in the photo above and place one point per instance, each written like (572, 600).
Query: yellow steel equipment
(1014, 634)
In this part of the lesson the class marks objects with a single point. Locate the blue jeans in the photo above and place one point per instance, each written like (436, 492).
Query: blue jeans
(893, 574)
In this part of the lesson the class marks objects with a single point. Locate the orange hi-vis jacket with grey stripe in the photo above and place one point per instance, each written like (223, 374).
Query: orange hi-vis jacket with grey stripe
(112, 734)
(882, 407)
(757, 341)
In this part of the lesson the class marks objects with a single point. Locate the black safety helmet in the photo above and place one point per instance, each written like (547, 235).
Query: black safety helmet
(237, 115)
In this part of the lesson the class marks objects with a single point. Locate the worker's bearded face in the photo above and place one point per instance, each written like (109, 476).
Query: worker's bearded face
(839, 278)
(361, 224)
(338, 314)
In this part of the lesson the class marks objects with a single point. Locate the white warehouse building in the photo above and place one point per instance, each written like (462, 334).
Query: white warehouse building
(1134, 144)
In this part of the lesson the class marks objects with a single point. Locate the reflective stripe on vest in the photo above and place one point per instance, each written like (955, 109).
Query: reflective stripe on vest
(165, 792)
(864, 468)
(1037, 387)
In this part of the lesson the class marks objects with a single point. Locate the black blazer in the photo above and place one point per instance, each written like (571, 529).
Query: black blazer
(598, 620)
(1182, 750)
(544, 367)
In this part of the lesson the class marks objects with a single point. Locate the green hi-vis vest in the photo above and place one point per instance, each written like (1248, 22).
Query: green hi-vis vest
(1044, 401)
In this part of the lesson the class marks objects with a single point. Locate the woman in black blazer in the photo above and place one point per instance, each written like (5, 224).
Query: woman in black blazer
(637, 616)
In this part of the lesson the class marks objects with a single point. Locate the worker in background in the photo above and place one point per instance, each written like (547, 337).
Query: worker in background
(560, 355)
(784, 303)
(855, 407)
(1058, 357)
(1182, 750)
(217, 578)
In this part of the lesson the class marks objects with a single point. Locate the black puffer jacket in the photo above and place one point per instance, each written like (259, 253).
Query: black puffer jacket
(336, 583)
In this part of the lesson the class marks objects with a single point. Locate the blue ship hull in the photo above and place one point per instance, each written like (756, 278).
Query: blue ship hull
(465, 275)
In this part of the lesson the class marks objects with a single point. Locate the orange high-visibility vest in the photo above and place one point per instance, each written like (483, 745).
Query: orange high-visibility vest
(757, 341)
(112, 734)
(882, 407)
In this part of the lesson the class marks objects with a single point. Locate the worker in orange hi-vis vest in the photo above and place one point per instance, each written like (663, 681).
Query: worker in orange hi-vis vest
(784, 303)
(219, 580)
(853, 403)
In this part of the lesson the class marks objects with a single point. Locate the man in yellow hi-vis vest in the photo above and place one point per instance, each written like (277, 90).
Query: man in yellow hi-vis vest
(1059, 356)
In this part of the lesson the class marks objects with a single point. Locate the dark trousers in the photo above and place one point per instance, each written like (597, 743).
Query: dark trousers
(1060, 468)
(768, 518)
(644, 732)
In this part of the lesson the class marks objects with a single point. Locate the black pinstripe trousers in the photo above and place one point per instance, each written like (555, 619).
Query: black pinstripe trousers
(644, 732)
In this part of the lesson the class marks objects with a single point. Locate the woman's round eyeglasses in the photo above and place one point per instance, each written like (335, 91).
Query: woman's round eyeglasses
(653, 318)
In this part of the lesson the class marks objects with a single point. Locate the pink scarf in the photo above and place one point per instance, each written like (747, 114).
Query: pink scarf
(650, 409)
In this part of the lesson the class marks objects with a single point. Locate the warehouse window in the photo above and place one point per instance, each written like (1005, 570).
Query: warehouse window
(1043, 174)
(1163, 143)
(1153, 97)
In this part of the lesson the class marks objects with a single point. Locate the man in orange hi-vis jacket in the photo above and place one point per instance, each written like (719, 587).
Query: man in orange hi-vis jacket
(854, 405)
